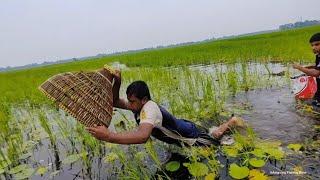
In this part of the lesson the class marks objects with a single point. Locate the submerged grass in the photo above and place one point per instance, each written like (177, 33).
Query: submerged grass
(198, 96)
(189, 92)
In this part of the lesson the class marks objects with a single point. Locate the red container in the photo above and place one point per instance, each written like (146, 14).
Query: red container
(304, 87)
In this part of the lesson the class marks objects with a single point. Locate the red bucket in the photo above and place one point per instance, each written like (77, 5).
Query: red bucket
(304, 87)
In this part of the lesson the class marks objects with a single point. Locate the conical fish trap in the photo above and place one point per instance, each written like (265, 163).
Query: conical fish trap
(87, 96)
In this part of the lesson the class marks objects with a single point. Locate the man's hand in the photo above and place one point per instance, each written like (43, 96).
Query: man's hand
(133, 137)
(117, 76)
(310, 71)
(117, 101)
(100, 132)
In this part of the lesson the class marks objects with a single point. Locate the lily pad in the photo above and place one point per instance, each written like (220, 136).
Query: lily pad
(275, 153)
(238, 146)
(257, 175)
(257, 162)
(230, 151)
(197, 169)
(238, 172)
(258, 153)
(210, 176)
(42, 170)
(295, 147)
(205, 152)
(172, 166)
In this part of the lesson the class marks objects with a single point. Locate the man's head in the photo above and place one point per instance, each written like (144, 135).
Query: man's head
(138, 94)
(315, 43)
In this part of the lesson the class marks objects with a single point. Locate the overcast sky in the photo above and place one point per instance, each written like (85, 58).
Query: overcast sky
(34, 31)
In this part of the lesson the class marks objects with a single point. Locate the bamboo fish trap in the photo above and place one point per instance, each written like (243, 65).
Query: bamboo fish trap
(87, 96)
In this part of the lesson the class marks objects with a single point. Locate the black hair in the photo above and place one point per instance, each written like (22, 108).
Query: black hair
(315, 37)
(139, 89)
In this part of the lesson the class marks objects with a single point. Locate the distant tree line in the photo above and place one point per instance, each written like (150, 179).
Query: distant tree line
(299, 24)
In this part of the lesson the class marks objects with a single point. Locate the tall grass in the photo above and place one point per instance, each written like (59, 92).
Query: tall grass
(283, 46)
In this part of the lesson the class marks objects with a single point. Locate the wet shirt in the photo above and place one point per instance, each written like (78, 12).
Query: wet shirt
(150, 113)
(158, 116)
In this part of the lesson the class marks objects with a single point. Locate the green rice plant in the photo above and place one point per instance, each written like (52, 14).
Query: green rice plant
(4, 161)
(13, 147)
(267, 68)
(64, 130)
(151, 151)
(90, 143)
(131, 166)
(4, 119)
(232, 80)
(44, 124)
(18, 86)
(244, 75)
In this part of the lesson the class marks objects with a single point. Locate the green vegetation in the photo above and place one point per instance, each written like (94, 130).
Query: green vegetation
(30, 123)
(283, 46)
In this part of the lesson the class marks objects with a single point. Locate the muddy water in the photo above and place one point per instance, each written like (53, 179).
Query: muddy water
(272, 68)
(273, 115)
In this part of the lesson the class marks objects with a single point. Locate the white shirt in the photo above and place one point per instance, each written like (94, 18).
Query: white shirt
(150, 113)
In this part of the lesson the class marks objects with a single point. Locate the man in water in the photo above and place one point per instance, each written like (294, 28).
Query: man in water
(154, 120)
(315, 69)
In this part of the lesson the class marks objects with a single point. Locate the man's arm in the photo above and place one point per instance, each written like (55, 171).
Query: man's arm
(308, 71)
(117, 102)
(310, 67)
(141, 135)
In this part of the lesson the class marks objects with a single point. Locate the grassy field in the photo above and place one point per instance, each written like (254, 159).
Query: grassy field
(283, 46)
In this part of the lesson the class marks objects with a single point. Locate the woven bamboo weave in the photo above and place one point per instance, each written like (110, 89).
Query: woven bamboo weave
(87, 96)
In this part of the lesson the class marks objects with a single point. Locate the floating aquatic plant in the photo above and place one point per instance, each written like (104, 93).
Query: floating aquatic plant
(172, 166)
(295, 147)
(256, 174)
(238, 172)
(42, 170)
(257, 162)
(197, 169)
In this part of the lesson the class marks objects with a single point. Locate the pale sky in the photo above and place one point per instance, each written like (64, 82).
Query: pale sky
(34, 31)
